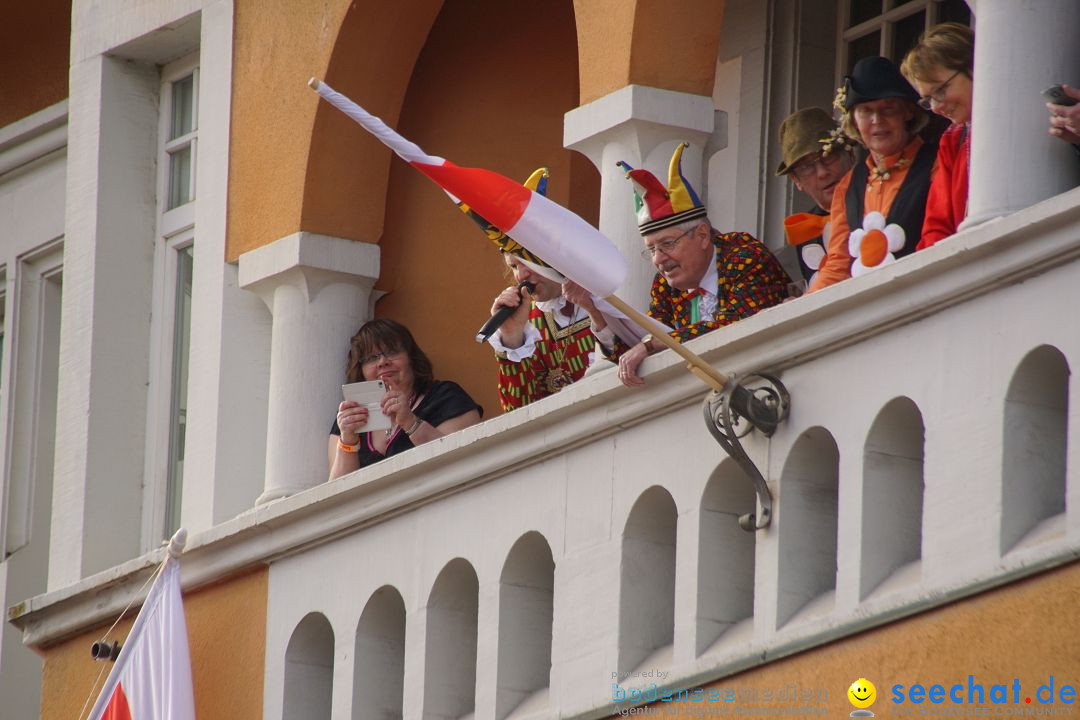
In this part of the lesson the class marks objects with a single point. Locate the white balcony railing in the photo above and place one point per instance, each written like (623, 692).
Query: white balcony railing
(524, 566)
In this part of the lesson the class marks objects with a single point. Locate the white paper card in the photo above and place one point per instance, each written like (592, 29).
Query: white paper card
(368, 394)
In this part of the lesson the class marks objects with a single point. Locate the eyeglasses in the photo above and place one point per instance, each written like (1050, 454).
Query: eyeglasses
(810, 167)
(938, 93)
(665, 246)
(884, 111)
(374, 358)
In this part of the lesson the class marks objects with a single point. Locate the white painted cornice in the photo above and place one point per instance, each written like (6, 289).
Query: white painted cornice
(33, 136)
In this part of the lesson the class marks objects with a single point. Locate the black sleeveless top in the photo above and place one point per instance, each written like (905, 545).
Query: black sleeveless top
(909, 205)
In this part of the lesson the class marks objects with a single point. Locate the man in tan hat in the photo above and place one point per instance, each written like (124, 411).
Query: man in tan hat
(816, 154)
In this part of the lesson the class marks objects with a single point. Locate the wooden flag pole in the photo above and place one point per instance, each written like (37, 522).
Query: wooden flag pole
(705, 372)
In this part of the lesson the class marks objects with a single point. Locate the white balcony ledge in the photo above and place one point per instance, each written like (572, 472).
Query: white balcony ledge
(802, 339)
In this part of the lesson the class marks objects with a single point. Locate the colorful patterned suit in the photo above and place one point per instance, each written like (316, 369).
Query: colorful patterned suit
(749, 279)
(560, 357)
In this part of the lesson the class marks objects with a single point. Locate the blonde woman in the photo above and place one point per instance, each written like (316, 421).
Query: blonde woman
(940, 69)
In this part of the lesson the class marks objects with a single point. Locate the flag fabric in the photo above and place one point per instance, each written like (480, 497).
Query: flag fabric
(151, 679)
(565, 241)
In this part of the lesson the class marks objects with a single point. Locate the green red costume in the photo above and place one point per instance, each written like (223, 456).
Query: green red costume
(559, 357)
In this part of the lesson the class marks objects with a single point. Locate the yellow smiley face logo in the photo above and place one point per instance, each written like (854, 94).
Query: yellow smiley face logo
(862, 693)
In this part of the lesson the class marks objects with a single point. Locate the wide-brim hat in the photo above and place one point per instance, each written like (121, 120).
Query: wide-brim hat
(537, 182)
(657, 206)
(808, 132)
(876, 78)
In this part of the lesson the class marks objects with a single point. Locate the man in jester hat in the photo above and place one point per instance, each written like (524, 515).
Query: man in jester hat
(705, 279)
(546, 344)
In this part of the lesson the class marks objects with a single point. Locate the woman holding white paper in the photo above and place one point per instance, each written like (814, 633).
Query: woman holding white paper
(420, 408)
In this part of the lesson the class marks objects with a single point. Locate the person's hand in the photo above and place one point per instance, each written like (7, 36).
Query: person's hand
(512, 331)
(351, 419)
(628, 365)
(582, 298)
(395, 406)
(1065, 119)
(577, 294)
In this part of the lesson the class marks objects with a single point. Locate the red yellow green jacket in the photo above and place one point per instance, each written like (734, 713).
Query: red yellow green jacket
(748, 279)
(559, 357)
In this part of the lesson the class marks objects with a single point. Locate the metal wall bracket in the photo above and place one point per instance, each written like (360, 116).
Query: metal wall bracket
(758, 401)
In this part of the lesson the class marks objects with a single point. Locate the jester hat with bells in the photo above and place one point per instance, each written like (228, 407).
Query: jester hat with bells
(658, 207)
(537, 182)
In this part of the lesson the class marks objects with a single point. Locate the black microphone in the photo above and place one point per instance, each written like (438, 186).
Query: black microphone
(500, 316)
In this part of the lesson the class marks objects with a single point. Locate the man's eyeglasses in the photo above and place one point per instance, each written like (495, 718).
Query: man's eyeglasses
(374, 358)
(665, 246)
(810, 167)
(938, 93)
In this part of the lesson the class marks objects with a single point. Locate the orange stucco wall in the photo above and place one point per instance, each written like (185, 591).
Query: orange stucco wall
(670, 45)
(1025, 631)
(295, 163)
(34, 51)
(227, 636)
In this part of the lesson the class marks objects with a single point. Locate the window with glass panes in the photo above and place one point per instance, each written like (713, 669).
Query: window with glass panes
(889, 27)
(174, 263)
(178, 402)
(181, 140)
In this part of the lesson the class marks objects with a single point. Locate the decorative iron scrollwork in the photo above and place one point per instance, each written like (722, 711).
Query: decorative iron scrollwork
(756, 402)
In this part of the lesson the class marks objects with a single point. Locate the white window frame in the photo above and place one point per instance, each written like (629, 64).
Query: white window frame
(892, 12)
(175, 232)
(7, 370)
(24, 333)
(183, 216)
(159, 405)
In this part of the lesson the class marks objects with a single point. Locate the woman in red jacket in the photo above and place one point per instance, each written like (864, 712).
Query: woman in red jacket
(940, 69)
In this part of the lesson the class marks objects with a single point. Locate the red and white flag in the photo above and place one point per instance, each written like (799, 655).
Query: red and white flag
(151, 679)
(565, 241)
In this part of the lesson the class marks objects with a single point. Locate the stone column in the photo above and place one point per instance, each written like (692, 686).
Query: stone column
(1021, 48)
(640, 125)
(318, 290)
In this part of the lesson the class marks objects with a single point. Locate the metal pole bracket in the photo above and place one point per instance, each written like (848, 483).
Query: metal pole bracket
(758, 401)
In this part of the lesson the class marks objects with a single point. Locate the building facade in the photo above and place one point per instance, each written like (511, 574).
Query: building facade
(191, 237)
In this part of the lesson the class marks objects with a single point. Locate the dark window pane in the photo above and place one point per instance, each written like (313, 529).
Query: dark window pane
(863, 10)
(183, 107)
(954, 11)
(866, 46)
(179, 177)
(906, 33)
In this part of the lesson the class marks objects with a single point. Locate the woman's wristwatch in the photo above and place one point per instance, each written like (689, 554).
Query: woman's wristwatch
(414, 427)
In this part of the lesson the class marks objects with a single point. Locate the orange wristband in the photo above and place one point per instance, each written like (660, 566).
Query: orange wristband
(347, 448)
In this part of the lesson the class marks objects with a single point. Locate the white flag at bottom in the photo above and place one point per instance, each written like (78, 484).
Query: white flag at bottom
(151, 679)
